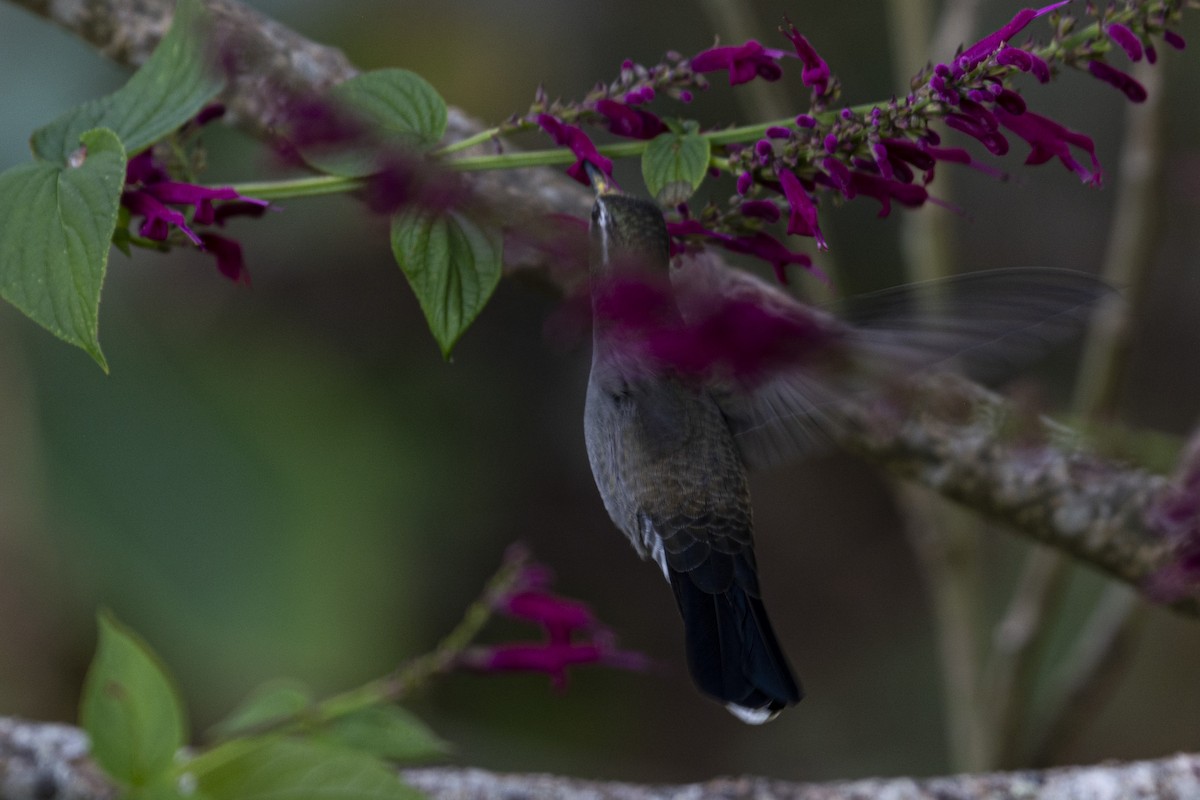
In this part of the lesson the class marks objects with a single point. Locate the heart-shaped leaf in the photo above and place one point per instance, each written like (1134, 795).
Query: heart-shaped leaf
(453, 266)
(674, 164)
(56, 222)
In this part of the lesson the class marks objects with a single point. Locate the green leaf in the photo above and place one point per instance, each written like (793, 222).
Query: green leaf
(453, 266)
(55, 226)
(674, 165)
(285, 769)
(389, 732)
(174, 83)
(400, 109)
(130, 708)
(269, 703)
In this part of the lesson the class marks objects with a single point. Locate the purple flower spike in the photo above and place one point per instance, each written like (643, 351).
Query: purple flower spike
(1047, 139)
(815, 73)
(1126, 39)
(802, 213)
(743, 182)
(580, 145)
(632, 123)
(1174, 39)
(1126, 83)
(806, 121)
(778, 132)
(744, 62)
(973, 55)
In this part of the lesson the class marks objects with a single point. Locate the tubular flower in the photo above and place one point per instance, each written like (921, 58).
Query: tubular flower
(802, 212)
(151, 194)
(574, 636)
(1047, 139)
(744, 62)
(815, 73)
(579, 144)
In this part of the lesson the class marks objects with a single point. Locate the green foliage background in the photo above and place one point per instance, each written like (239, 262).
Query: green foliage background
(289, 480)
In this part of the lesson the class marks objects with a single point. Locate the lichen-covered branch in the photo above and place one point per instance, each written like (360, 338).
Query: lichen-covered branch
(1079, 503)
(956, 438)
(39, 761)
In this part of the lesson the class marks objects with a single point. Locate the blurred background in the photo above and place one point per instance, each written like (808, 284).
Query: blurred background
(289, 481)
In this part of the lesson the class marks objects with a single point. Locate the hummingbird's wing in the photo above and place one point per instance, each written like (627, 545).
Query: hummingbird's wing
(985, 325)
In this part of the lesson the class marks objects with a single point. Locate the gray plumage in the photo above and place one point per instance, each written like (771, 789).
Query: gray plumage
(669, 449)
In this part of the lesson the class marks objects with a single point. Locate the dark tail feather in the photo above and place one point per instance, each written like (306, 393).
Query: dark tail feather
(732, 651)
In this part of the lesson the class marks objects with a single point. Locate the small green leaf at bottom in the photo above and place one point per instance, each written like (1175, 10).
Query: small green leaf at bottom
(267, 705)
(130, 708)
(453, 266)
(389, 732)
(287, 769)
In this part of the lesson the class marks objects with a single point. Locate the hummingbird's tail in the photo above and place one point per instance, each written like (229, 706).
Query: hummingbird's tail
(732, 651)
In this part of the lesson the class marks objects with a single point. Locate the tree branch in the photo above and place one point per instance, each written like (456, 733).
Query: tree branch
(1079, 503)
(39, 761)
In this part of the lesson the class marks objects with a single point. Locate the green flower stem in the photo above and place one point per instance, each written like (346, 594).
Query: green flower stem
(411, 676)
(469, 142)
(310, 186)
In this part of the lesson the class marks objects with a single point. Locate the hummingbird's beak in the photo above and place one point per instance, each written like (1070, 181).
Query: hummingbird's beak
(601, 183)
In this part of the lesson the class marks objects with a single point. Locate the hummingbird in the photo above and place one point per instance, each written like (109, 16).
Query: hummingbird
(670, 448)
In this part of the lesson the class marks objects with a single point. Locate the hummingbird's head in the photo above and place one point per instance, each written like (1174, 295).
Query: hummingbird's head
(628, 236)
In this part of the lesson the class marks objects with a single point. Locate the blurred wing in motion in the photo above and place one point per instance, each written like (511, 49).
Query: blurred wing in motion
(985, 325)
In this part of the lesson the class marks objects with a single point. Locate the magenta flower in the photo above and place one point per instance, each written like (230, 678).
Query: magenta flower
(158, 219)
(579, 144)
(1047, 139)
(632, 123)
(1126, 39)
(815, 73)
(1174, 39)
(759, 244)
(573, 634)
(744, 62)
(1024, 61)
(560, 616)
(228, 253)
(802, 212)
(985, 47)
(885, 191)
(551, 659)
(1115, 77)
(150, 194)
(724, 332)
